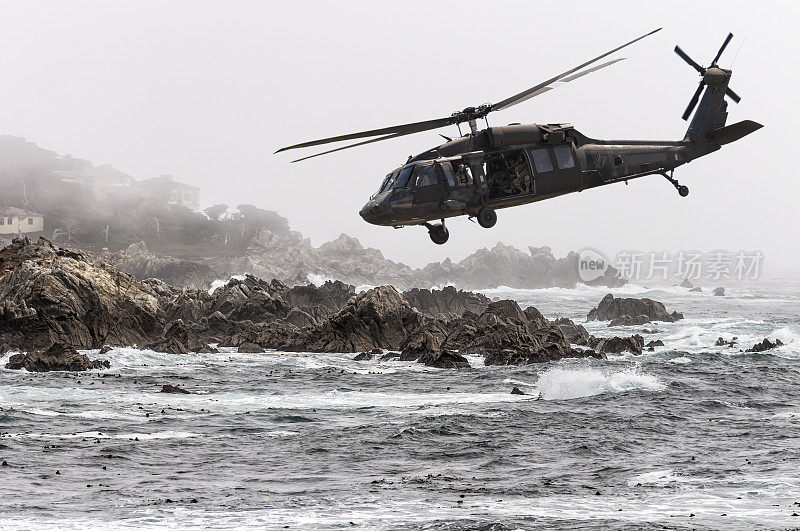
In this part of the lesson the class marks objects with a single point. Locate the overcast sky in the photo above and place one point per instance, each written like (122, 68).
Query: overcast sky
(206, 91)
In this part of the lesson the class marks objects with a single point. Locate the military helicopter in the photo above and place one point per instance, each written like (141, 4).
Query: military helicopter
(500, 167)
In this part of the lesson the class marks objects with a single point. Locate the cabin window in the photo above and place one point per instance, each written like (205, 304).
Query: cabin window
(564, 157)
(426, 176)
(541, 158)
(30, 221)
(448, 174)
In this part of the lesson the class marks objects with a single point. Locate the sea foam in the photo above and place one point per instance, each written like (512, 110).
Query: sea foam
(565, 384)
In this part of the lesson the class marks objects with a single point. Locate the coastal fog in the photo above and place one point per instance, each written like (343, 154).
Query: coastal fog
(207, 91)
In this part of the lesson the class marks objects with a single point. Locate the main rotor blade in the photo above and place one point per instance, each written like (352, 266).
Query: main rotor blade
(732, 95)
(527, 94)
(722, 48)
(689, 60)
(371, 140)
(693, 101)
(405, 129)
(556, 84)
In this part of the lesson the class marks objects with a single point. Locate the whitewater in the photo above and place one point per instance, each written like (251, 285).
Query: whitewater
(690, 435)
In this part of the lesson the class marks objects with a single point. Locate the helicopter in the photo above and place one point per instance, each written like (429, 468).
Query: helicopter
(498, 167)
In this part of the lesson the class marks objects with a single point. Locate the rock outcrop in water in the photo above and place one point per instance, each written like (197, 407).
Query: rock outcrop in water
(617, 345)
(765, 345)
(51, 295)
(446, 303)
(180, 339)
(626, 312)
(379, 318)
(57, 358)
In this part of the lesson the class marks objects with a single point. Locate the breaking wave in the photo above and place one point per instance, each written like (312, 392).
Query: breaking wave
(566, 384)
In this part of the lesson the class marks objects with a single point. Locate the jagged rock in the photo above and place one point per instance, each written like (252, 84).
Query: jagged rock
(265, 335)
(53, 295)
(444, 359)
(719, 292)
(536, 321)
(174, 389)
(445, 303)
(516, 391)
(696, 290)
(765, 345)
(390, 356)
(250, 348)
(617, 345)
(180, 339)
(651, 331)
(575, 333)
(627, 320)
(721, 342)
(331, 296)
(105, 350)
(378, 318)
(505, 335)
(686, 284)
(419, 344)
(611, 309)
(249, 299)
(301, 318)
(366, 356)
(56, 358)
(140, 263)
(504, 265)
(656, 343)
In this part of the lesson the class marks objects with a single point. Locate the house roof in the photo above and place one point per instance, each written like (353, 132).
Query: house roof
(10, 211)
(165, 183)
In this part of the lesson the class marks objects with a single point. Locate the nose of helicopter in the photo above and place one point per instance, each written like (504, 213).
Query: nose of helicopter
(373, 212)
(369, 212)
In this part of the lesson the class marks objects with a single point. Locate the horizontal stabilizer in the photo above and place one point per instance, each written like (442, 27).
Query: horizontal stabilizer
(733, 132)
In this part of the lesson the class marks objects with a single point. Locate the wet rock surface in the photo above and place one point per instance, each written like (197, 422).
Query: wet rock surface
(446, 303)
(626, 312)
(58, 296)
(56, 358)
(174, 389)
(617, 345)
(765, 345)
(53, 295)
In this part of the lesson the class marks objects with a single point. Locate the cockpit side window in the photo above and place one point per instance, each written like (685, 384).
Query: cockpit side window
(387, 183)
(402, 178)
(426, 176)
(564, 157)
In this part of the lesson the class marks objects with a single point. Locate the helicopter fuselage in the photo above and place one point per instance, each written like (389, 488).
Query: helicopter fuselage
(501, 167)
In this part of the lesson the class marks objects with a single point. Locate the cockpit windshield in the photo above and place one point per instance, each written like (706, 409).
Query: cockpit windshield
(397, 179)
(402, 178)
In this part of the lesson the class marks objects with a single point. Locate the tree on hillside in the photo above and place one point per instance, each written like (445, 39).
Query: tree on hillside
(214, 212)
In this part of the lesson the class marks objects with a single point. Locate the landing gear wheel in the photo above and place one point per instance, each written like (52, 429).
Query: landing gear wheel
(487, 217)
(683, 191)
(439, 234)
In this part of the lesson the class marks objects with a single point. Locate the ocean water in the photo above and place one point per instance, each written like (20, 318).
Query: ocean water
(688, 436)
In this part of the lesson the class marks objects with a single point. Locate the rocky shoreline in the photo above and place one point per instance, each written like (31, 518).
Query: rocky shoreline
(56, 300)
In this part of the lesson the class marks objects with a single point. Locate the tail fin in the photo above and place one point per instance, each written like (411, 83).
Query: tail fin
(708, 123)
(712, 112)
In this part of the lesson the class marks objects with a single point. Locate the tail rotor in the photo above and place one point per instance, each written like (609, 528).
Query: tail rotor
(706, 74)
